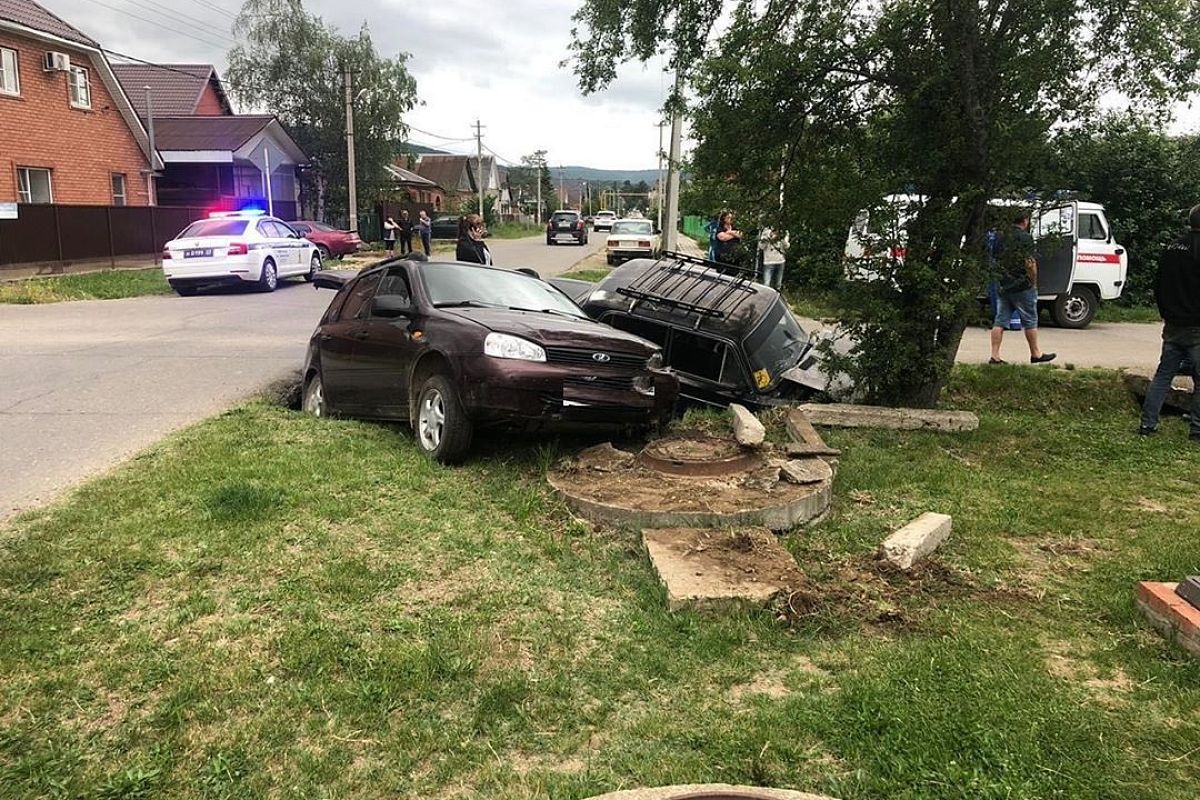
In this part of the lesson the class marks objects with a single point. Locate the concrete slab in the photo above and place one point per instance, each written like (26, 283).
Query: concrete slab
(845, 415)
(710, 569)
(806, 470)
(1137, 380)
(1174, 617)
(710, 791)
(746, 428)
(916, 540)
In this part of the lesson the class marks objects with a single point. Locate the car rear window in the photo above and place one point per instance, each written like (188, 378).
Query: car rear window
(565, 218)
(636, 228)
(214, 227)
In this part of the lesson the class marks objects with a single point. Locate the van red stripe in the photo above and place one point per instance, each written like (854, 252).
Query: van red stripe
(1098, 258)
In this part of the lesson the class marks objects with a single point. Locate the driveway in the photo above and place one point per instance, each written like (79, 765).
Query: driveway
(88, 383)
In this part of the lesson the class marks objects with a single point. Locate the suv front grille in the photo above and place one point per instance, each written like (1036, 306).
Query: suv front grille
(580, 357)
(615, 383)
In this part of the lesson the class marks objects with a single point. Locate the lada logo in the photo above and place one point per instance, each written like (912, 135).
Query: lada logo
(603, 358)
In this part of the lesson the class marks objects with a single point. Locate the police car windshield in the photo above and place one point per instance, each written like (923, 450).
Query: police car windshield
(214, 227)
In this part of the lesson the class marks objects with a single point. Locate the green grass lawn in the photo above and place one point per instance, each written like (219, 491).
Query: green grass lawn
(1112, 312)
(108, 285)
(272, 605)
(515, 230)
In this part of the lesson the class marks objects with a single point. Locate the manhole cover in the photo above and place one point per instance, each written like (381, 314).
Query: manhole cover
(700, 456)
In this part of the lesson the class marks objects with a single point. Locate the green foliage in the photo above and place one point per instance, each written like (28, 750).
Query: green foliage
(1146, 180)
(108, 285)
(809, 111)
(291, 63)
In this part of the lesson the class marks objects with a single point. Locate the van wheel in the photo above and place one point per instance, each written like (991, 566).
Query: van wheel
(443, 431)
(1075, 309)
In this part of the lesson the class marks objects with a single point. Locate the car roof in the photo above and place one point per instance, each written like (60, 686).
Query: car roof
(606, 213)
(632, 219)
(684, 291)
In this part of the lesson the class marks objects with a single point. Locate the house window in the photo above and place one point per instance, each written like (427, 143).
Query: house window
(33, 185)
(120, 198)
(81, 88)
(10, 79)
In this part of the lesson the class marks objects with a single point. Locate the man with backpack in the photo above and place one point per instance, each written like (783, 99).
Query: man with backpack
(1177, 293)
(1016, 263)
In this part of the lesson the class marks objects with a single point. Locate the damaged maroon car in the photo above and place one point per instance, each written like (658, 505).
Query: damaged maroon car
(453, 348)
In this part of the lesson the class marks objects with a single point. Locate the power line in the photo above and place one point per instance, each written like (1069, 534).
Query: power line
(179, 16)
(438, 135)
(508, 161)
(215, 7)
(164, 26)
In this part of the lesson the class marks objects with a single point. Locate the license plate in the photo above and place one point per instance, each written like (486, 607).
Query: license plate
(201, 252)
(564, 226)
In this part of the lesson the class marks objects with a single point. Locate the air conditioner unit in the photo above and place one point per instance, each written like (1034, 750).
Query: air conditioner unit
(56, 62)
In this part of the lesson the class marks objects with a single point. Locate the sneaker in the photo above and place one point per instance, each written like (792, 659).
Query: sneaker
(1043, 358)
(1144, 430)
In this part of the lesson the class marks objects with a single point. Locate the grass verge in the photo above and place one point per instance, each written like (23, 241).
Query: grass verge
(272, 605)
(108, 285)
(515, 230)
(1113, 312)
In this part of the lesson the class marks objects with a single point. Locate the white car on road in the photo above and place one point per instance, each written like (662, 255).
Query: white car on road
(604, 220)
(632, 238)
(237, 248)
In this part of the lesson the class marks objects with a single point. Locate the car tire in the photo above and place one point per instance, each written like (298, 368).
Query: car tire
(314, 266)
(440, 424)
(268, 277)
(323, 251)
(610, 260)
(549, 242)
(313, 399)
(183, 291)
(1075, 309)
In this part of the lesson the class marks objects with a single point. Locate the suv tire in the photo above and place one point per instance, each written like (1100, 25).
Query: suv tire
(440, 424)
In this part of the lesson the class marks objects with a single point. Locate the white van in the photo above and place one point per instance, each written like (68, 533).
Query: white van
(1079, 262)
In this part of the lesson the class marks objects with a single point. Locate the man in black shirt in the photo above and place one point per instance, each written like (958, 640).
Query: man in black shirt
(1017, 290)
(1177, 292)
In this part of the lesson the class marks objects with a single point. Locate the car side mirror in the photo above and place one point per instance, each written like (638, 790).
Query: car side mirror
(390, 306)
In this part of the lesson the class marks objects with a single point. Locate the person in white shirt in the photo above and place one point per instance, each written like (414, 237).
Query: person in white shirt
(771, 254)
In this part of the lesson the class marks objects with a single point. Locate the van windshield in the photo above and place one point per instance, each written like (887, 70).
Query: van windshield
(776, 345)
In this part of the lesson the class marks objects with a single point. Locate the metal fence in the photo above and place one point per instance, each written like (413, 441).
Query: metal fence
(59, 234)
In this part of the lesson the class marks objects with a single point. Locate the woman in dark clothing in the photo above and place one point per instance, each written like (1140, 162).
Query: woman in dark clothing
(471, 247)
(729, 240)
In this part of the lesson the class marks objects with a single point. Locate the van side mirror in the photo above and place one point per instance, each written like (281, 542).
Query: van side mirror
(390, 306)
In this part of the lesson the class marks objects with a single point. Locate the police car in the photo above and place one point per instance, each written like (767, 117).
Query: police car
(237, 248)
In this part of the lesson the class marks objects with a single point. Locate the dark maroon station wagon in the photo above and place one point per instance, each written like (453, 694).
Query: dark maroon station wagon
(455, 347)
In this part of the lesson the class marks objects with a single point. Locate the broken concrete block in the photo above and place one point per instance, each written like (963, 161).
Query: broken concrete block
(844, 415)
(799, 450)
(707, 568)
(1179, 397)
(1173, 616)
(604, 458)
(801, 430)
(806, 470)
(746, 428)
(917, 539)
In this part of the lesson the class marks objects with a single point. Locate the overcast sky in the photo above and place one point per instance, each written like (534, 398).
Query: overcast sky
(496, 61)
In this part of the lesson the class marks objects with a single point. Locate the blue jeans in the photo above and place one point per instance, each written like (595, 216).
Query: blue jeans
(1023, 302)
(772, 275)
(1179, 344)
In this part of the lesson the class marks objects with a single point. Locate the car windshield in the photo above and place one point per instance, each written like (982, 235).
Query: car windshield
(214, 227)
(459, 284)
(640, 228)
(776, 344)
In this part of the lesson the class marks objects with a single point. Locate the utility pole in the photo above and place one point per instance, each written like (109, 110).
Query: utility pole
(659, 191)
(351, 184)
(541, 165)
(479, 161)
(562, 197)
(150, 135)
(671, 223)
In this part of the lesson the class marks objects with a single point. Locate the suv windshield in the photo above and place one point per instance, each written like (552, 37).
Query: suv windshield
(640, 228)
(215, 227)
(775, 345)
(458, 284)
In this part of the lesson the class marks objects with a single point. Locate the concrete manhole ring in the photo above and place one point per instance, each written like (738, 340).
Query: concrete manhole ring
(698, 455)
(712, 791)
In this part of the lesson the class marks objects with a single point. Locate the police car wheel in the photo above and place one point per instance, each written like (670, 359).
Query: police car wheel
(1075, 309)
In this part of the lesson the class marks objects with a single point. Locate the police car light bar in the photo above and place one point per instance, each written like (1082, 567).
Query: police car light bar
(250, 212)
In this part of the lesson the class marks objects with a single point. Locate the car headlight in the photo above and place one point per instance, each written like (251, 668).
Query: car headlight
(655, 361)
(501, 345)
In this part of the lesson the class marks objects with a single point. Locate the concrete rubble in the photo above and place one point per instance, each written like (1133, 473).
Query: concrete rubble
(916, 540)
(844, 415)
(747, 429)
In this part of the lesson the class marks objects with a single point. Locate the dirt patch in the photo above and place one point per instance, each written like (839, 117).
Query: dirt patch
(768, 684)
(441, 589)
(1045, 561)
(524, 763)
(1149, 506)
(1065, 661)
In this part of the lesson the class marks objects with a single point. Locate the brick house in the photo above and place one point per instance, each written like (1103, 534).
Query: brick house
(69, 132)
(213, 158)
(409, 187)
(459, 178)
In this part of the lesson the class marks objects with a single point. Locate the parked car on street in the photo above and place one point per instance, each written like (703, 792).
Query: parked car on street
(727, 337)
(245, 248)
(445, 226)
(330, 242)
(603, 221)
(566, 227)
(631, 238)
(454, 348)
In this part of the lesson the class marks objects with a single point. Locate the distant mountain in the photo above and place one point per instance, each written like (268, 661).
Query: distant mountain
(592, 174)
(421, 150)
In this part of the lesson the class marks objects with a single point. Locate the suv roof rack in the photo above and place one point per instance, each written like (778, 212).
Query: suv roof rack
(692, 285)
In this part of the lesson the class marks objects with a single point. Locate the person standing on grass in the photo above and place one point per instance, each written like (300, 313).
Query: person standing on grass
(471, 246)
(771, 250)
(1177, 293)
(1017, 290)
(425, 228)
(406, 227)
(389, 234)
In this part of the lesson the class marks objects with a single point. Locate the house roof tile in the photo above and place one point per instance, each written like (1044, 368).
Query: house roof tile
(32, 15)
(207, 133)
(175, 88)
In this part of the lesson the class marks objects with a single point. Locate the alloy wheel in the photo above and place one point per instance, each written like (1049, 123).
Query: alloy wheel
(431, 419)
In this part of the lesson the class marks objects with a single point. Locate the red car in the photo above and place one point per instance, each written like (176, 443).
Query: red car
(329, 240)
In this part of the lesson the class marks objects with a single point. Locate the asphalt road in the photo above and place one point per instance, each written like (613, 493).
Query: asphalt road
(85, 384)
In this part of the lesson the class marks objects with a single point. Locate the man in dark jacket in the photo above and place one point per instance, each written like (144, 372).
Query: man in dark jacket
(1177, 292)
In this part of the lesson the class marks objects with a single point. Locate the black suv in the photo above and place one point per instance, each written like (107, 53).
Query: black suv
(566, 226)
